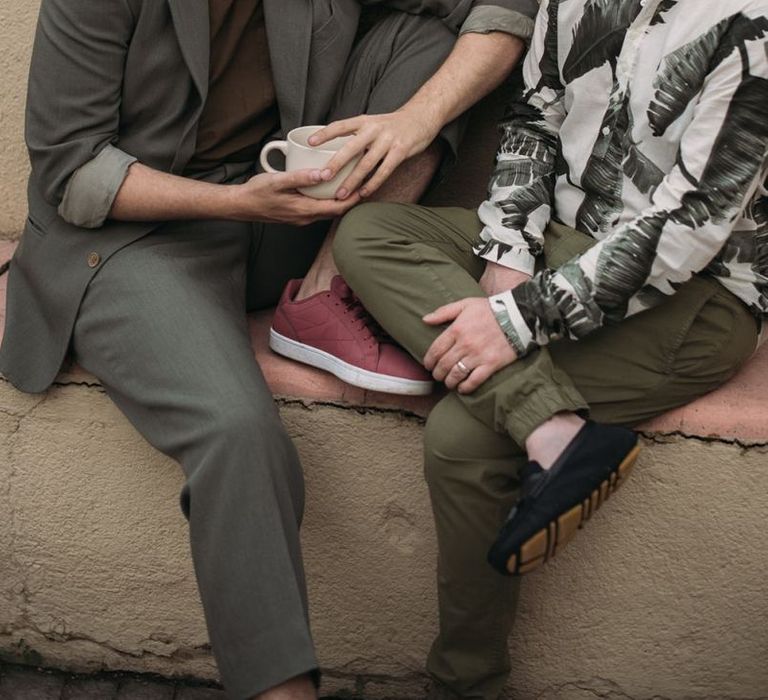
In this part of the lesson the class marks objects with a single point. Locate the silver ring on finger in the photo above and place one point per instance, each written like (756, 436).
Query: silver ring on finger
(463, 368)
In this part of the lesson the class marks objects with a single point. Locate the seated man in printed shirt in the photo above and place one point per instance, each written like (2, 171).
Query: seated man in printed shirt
(619, 268)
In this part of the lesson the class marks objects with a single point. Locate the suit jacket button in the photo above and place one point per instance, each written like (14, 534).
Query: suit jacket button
(93, 259)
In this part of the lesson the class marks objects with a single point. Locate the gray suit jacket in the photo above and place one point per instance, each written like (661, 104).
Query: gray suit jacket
(115, 77)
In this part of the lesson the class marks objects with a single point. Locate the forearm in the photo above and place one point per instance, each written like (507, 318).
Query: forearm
(522, 185)
(150, 195)
(477, 65)
(521, 191)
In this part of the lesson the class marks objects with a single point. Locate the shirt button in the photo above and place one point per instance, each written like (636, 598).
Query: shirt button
(93, 259)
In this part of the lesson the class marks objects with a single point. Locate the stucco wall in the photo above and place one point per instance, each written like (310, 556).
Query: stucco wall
(664, 596)
(17, 26)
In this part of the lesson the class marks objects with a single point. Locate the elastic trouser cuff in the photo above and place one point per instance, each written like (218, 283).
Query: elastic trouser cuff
(539, 407)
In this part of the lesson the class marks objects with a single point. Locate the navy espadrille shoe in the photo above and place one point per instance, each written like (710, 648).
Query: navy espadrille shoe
(556, 502)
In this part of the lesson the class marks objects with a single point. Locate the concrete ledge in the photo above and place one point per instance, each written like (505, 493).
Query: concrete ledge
(663, 596)
(736, 412)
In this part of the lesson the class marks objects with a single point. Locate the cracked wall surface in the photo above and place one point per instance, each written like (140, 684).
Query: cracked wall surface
(79, 529)
(663, 597)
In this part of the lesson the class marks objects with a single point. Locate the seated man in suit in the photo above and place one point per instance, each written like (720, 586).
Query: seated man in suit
(619, 267)
(150, 234)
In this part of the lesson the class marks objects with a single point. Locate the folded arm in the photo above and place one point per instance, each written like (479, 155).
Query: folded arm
(521, 189)
(72, 133)
(722, 161)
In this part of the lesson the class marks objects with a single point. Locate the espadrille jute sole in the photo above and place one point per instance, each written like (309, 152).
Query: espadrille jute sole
(542, 546)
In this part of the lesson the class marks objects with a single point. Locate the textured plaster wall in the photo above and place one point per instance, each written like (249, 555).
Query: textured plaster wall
(663, 597)
(17, 26)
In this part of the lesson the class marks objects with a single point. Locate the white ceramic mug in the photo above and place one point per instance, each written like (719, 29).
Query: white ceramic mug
(299, 155)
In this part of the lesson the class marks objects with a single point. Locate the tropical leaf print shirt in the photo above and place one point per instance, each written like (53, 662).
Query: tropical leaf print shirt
(643, 123)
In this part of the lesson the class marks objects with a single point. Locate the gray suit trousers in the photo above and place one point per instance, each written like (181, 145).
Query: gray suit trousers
(163, 326)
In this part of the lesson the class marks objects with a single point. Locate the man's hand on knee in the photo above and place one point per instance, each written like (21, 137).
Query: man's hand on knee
(471, 349)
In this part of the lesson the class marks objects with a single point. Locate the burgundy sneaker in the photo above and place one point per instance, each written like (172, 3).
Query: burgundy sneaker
(333, 331)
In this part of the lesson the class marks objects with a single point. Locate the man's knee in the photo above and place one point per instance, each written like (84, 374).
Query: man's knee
(246, 425)
(412, 45)
(357, 235)
(247, 440)
(241, 451)
(444, 442)
(391, 63)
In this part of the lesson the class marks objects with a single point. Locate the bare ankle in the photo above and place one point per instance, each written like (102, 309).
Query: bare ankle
(299, 688)
(323, 270)
(547, 442)
(315, 282)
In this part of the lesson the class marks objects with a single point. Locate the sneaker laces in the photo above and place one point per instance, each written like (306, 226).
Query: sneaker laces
(367, 322)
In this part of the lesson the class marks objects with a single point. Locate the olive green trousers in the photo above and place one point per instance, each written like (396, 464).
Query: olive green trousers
(404, 261)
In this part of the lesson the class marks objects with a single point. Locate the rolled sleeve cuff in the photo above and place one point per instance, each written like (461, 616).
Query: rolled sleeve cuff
(511, 321)
(492, 18)
(514, 257)
(92, 188)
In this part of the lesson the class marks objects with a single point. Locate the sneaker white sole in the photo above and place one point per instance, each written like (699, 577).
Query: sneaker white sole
(356, 376)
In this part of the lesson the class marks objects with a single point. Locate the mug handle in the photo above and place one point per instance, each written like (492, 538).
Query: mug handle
(281, 146)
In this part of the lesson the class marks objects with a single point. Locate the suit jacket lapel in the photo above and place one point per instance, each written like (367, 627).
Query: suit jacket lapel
(289, 31)
(190, 19)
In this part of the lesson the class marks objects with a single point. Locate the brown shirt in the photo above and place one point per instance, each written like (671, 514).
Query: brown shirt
(241, 109)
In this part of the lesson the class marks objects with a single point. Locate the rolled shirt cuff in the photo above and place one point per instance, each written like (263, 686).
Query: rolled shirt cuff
(514, 257)
(92, 188)
(511, 321)
(491, 18)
